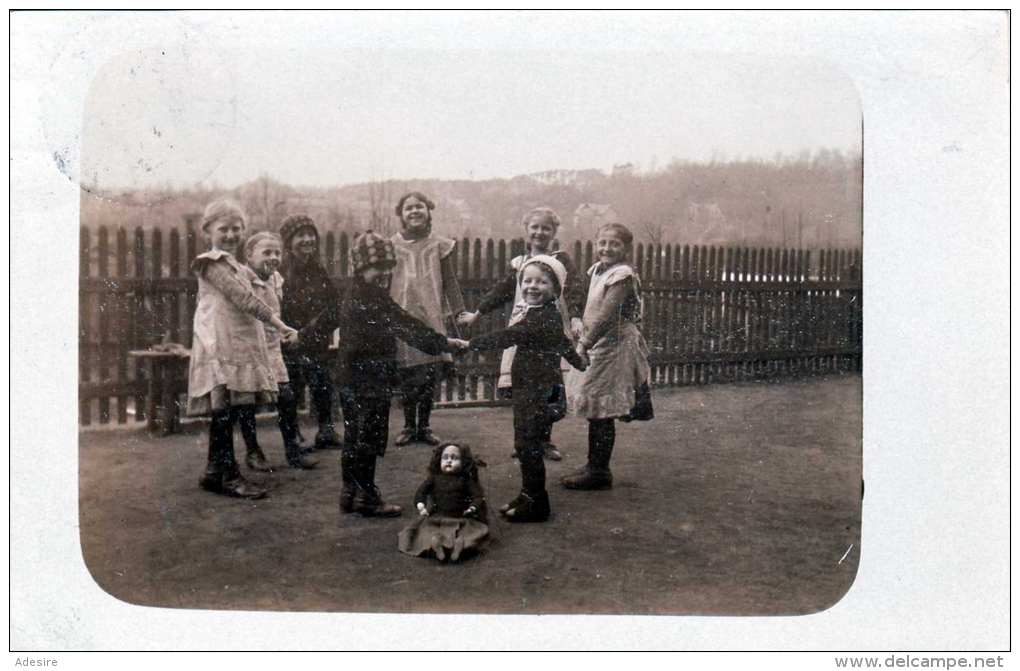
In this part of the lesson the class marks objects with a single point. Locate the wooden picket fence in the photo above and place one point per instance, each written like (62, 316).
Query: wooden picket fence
(712, 314)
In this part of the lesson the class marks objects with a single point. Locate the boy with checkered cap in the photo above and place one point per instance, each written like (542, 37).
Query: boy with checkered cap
(367, 368)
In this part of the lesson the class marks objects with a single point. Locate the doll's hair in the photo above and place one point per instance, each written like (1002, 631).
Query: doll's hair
(250, 243)
(625, 235)
(223, 207)
(544, 213)
(469, 465)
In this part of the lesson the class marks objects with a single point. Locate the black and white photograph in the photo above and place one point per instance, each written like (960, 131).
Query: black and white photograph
(429, 313)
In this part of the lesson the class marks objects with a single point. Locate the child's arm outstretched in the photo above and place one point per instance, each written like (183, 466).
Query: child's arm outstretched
(416, 333)
(503, 292)
(510, 336)
(226, 281)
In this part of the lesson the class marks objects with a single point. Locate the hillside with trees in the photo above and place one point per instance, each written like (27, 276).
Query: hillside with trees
(811, 200)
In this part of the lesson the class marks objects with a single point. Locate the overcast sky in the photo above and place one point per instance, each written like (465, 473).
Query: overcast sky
(329, 99)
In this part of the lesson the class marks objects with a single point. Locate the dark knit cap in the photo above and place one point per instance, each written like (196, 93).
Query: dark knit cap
(294, 223)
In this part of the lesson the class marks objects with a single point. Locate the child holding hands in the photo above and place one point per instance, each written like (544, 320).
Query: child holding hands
(263, 253)
(540, 227)
(537, 382)
(367, 372)
(229, 372)
(617, 351)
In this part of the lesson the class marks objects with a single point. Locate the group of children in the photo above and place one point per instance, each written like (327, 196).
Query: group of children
(572, 342)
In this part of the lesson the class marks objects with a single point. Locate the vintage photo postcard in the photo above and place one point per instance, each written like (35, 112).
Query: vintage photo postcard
(395, 326)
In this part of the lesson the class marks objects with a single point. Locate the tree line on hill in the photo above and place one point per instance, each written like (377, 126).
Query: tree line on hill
(811, 200)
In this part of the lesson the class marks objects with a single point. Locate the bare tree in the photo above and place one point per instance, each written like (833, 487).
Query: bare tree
(380, 201)
(655, 232)
(264, 201)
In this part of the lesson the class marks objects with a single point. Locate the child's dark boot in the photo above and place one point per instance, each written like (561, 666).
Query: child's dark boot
(222, 476)
(530, 508)
(287, 419)
(306, 447)
(237, 486)
(410, 431)
(424, 432)
(326, 438)
(552, 453)
(596, 474)
(588, 479)
(349, 488)
(212, 480)
(518, 500)
(532, 505)
(255, 458)
(297, 459)
(368, 501)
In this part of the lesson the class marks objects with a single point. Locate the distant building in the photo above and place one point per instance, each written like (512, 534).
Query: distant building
(589, 216)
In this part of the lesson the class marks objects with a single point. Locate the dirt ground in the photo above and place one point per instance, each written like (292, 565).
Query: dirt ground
(736, 499)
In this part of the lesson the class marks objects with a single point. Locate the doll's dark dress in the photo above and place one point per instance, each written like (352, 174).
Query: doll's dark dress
(446, 497)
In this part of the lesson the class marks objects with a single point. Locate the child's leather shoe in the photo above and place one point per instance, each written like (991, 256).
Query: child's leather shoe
(370, 504)
(589, 479)
(530, 509)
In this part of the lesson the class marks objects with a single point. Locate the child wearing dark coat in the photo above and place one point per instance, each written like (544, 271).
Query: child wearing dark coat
(538, 396)
(310, 292)
(540, 227)
(452, 515)
(367, 368)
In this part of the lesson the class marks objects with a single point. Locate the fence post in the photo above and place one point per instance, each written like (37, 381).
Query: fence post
(138, 319)
(174, 296)
(122, 324)
(85, 311)
(330, 253)
(191, 239)
(104, 321)
(476, 260)
(344, 255)
(490, 258)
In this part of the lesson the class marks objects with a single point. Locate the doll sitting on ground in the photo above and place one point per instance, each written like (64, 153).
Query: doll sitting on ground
(453, 517)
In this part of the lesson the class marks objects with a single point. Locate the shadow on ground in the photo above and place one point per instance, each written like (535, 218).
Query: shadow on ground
(740, 499)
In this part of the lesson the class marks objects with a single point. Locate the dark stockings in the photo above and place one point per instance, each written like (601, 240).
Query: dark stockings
(221, 442)
(601, 438)
(246, 419)
(418, 388)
